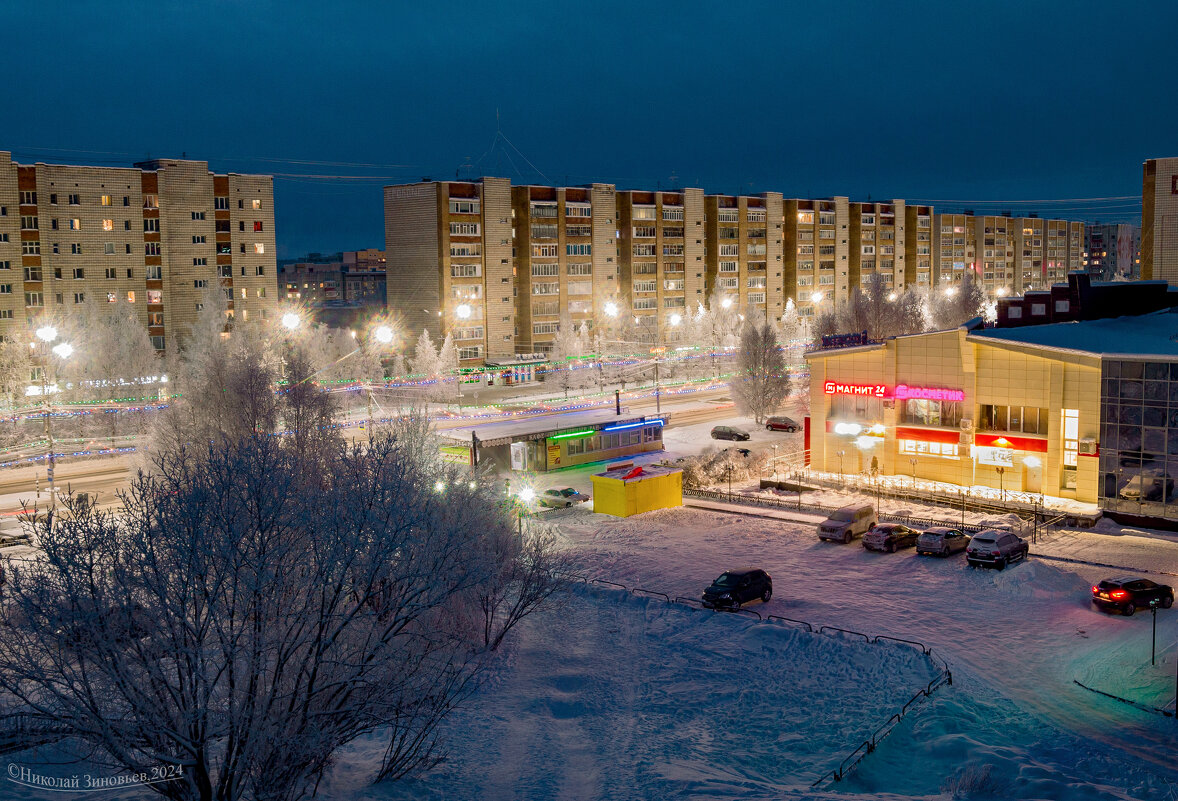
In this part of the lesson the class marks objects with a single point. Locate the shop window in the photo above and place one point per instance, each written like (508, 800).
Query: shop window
(932, 413)
(1024, 419)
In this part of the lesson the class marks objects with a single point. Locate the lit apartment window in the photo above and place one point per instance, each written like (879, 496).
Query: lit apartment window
(256, 204)
(259, 248)
(261, 292)
(106, 200)
(156, 296)
(111, 297)
(131, 296)
(151, 201)
(75, 224)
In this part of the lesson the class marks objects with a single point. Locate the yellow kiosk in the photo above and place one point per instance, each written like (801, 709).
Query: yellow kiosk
(626, 490)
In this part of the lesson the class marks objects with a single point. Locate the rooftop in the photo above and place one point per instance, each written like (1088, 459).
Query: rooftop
(500, 432)
(1154, 334)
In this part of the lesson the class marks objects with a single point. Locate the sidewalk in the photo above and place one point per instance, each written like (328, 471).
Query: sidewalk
(754, 511)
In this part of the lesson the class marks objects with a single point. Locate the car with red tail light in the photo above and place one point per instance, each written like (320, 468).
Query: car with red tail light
(1127, 594)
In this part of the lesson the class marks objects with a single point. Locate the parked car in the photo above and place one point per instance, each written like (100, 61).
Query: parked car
(1130, 593)
(941, 541)
(735, 587)
(847, 523)
(1147, 487)
(562, 497)
(780, 423)
(995, 548)
(728, 432)
(889, 537)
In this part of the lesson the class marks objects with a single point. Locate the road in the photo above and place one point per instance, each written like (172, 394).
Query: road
(103, 477)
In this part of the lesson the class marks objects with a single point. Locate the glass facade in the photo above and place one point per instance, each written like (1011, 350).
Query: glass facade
(1139, 437)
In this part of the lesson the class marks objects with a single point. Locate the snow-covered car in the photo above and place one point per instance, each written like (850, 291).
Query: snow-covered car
(845, 524)
(560, 497)
(1127, 594)
(735, 587)
(995, 548)
(941, 541)
(730, 433)
(889, 537)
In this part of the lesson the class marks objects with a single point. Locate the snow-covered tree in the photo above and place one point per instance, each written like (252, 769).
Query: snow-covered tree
(761, 381)
(244, 614)
(873, 308)
(568, 348)
(449, 386)
(956, 305)
(113, 355)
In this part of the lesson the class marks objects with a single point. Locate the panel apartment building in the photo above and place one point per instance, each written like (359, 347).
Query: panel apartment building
(1159, 220)
(501, 268)
(154, 236)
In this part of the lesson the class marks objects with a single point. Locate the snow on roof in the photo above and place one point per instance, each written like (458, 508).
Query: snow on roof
(529, 427)
(629, 472)
(1154, 334)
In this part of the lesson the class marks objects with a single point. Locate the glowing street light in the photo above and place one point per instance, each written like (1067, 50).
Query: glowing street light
(63, 350)
(291, 321)
(1001, 291)
(892, 296)
(47, 333)
(611, 309)
(527, 495)
(676, 319)
(464, 311)
(383, 334)
(951, 291)
(816, 297)
(726, 303)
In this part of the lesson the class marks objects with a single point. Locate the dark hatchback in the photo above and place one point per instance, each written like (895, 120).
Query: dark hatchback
(1130, 593)
(736, 587)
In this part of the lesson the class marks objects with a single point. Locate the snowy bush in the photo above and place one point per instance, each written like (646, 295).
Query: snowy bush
(713, 466)
(974, 781)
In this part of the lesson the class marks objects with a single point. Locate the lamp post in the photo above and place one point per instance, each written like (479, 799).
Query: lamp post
(383, 336)
(526, 495)
(1001, 485)
(912, 462)
(62, 350)
(841, 454)
(774, 461)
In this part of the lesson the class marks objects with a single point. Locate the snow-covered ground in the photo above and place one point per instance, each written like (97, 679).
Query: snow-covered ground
(1016, 640)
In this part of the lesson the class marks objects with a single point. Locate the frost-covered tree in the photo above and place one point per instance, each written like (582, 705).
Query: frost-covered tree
(245, 613)
(956, 305)
(113, 355)
(873, 308)
(761, 382)
(568, 348)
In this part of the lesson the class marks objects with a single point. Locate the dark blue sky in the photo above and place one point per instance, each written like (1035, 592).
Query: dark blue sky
(979, 101)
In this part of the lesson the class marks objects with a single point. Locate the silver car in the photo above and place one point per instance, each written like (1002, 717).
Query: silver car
(941, 541)
(996, 549)
(560, 497)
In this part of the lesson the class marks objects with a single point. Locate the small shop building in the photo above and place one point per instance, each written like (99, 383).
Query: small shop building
(555, 441)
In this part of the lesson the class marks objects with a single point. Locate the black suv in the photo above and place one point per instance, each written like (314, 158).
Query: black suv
(736, 587)
(1129, 593)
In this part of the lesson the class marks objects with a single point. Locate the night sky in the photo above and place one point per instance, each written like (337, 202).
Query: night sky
(977, 105)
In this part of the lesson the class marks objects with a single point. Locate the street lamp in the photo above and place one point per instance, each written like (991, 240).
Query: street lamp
(527, 495)
(291, 321)
(1001, 488)
(840, 455)
(816, 297)
(63, 350)
(382, 335)
(611, 309)
(912, 462)
(463, 311)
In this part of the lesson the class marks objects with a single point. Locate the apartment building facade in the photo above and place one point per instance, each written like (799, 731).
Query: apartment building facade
(1112, 251)
(154, 237)
(566, 260)
(743, 243)
(502, 268)
(661, 259)
(448, 246)
(1159, 220)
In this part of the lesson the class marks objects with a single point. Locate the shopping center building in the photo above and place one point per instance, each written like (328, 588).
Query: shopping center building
(1085, 408)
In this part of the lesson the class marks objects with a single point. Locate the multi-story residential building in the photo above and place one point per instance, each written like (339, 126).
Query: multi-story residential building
(1159, 220)
(877, 244)
(155, 237)
(815, 254)
(1010, 255)
(449, 251)
(743, 243)
(661, 259)
(566, 260)
(1112, 251)
(354, 277)
(917, 241)
(956, 251)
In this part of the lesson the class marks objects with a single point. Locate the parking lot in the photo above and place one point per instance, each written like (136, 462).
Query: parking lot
(1021, 635)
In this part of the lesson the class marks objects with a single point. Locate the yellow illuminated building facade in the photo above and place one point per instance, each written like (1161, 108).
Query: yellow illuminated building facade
(960, 407)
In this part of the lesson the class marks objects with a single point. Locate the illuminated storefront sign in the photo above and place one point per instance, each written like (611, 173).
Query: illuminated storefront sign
(868, 390)
(901, 391)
